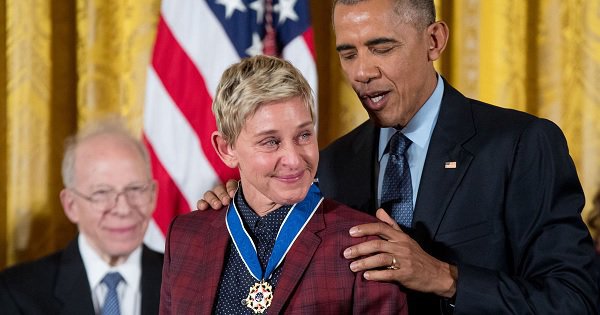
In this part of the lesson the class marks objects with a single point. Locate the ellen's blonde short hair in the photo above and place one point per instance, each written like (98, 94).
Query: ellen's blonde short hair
(251, 83)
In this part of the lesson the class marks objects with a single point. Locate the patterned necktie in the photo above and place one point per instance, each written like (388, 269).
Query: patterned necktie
(396, 196)
(111, 303)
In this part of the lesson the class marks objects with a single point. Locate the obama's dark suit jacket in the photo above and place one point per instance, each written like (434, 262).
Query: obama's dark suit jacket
(508, 215)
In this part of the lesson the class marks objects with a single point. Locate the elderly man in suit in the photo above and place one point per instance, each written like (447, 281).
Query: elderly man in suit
(110, 194)
(485, 201)
(278, 248)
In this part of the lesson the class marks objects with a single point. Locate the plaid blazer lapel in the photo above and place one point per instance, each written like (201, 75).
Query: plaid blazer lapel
(297, 261)
(217, 240)
(214, 240)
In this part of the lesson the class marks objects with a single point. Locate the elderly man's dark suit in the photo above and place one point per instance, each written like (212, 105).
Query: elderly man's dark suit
(508, 215)
(58, 284)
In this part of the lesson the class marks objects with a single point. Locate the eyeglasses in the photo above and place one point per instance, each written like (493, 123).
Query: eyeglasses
(106, 198)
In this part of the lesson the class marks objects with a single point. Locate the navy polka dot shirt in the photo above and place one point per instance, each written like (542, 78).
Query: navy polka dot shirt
(236, 279)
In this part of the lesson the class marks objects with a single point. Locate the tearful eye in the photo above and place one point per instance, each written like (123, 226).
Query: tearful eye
(270, 143)
(304, 137)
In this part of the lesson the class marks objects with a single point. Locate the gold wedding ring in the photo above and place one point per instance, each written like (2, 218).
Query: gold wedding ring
(393, 265)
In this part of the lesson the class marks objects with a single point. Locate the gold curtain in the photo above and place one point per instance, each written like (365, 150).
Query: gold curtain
(542, 57)
(64, 63)
(36, 116)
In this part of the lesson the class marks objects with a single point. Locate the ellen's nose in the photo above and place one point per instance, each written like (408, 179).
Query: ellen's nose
(291, 156)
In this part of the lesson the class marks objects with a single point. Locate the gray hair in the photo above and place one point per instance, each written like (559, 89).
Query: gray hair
(109, 125)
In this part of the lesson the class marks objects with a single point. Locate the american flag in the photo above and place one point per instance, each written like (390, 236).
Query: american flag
(196, 41)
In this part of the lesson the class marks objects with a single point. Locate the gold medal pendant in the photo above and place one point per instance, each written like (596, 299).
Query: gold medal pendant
(260, 297)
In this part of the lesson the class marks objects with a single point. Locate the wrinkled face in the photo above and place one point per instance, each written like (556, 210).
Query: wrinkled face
(104, 163)
(277, 154)
(386, 60)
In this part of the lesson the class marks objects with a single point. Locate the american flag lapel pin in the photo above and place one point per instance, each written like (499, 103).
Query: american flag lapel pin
(451, 164)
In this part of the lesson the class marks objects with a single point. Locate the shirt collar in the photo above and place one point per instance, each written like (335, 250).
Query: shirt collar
(96, 268)
(420, 127)
(250, 218)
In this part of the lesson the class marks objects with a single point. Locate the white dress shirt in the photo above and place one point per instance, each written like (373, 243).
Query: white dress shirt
(129, 291)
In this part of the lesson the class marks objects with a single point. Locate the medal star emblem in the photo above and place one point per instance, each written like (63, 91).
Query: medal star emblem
(260, 297)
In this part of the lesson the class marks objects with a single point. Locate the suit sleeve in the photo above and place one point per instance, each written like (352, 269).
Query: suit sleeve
(551, 250)
(7, 303)
(373, 297)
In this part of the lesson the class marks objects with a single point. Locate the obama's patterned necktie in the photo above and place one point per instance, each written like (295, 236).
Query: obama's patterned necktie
(396, 196)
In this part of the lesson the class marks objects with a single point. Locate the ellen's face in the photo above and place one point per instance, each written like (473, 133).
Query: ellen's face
(277, 154)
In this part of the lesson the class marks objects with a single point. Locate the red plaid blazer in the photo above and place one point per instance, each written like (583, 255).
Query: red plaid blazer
(316, 278)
